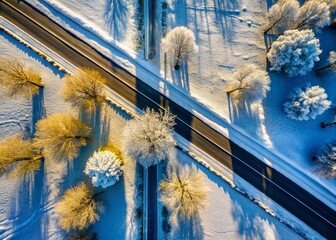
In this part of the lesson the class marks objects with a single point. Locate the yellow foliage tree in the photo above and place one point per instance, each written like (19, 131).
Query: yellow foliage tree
(77, 209)
(60, 136)
(18, 156)
(17, 79)
(85, 89)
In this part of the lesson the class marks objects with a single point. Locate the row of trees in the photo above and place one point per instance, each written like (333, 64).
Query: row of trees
(295, 53)
(287, 14)
(147, 138)
(57, 137)
(182, 191)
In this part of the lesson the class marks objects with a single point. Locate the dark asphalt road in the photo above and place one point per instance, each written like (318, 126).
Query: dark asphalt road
(269, 181)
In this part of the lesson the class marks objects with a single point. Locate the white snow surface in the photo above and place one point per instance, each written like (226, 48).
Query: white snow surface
(26, 206)
(228, 36)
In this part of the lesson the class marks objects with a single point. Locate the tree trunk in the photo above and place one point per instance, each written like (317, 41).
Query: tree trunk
(37, 84)
(177, 65)
(231, 91)
(323, 125)
(97, 194)
(322, 68)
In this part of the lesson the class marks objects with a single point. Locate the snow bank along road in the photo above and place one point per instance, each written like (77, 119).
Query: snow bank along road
(282, 190)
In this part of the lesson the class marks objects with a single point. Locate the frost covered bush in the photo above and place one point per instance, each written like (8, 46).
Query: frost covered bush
(104, 169)
(183, 192)
(327, 159)
(313, 14)
(295, 52)
(281, 15)
(77, 209)
(249, 83)
(149, 137)
(179, 43)
(18, 79)
(308, 103)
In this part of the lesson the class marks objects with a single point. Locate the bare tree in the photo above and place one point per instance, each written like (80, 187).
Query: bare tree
(281, 15)
(17, 79)
(179, 43)
(249, 83)
(313, 14)
(18, 156)
(84, 90)
(60, 136)
(149, 137)
(183, 192)
(77, 209)
(331, 65)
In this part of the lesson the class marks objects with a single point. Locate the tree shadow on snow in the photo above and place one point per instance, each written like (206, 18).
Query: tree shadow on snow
(180, 77)
(99, 121)
(38, 110)
(116, 18)
(251, 225)
(226, 13)
(28, 205)
(113, 219)
(190, 229)
(247, 115)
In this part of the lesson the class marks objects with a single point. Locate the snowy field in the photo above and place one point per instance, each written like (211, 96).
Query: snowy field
(228, 35)
(26, 206)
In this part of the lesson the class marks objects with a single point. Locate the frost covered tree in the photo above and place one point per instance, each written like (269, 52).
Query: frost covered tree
(77, 209)
(183, 192)
(308, 103)
(104, 168)
(313, 14)
(179, 43)
(85, 89)
(327, 160)
(60, 136)
(331, 64)
(281, 15)
(149, 137)
(17, 79)
(295, 52)
(249, 83)
(18, 156)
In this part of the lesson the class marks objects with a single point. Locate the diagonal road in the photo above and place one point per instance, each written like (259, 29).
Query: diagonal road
(286, 193)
